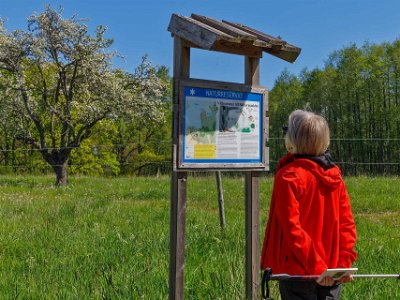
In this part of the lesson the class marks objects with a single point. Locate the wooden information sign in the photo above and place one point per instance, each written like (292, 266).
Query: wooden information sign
(219, 126)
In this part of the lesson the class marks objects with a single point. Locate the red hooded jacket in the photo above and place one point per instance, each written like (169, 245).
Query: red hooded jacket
(310, 226)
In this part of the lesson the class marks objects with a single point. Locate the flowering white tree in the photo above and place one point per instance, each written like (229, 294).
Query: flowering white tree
(66, 84)
(9, 120)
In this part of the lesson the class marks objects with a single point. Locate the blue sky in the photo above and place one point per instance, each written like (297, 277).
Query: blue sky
(140, 26)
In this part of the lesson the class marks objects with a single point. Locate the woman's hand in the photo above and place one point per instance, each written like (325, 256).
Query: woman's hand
(348, 278)
(326, 281)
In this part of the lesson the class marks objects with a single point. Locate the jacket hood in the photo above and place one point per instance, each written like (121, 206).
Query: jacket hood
(331, 177)
(324, 160)
(321, 166)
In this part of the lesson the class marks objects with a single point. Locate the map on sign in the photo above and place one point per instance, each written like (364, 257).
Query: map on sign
(221, 126)
(201, 122)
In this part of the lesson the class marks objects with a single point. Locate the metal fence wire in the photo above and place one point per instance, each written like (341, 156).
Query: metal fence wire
(356, 156)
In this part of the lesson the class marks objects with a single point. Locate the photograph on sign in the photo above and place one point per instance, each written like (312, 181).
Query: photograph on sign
(221, 126)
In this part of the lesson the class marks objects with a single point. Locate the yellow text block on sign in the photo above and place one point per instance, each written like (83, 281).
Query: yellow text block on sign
(205, 151)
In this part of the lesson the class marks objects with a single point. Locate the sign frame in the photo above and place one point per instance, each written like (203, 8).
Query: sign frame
(259, 93)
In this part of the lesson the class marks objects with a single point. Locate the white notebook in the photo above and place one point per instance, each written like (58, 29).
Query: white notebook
(336, 274)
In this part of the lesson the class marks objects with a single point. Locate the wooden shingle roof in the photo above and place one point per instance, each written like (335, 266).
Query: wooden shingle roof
(210, 34)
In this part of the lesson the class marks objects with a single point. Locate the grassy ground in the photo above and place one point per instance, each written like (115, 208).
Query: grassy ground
(109, 238)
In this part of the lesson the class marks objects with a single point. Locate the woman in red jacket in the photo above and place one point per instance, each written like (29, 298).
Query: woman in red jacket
(310, 226)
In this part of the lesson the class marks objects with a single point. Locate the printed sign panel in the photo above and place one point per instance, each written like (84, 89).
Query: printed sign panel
(222, 127)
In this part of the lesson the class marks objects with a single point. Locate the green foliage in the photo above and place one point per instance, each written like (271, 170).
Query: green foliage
(95, 155)
(91, 160)
(143, 146)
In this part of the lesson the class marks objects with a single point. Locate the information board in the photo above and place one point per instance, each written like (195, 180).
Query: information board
(222, 128)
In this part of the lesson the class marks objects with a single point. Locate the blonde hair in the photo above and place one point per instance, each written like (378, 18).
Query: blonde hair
(308, 133)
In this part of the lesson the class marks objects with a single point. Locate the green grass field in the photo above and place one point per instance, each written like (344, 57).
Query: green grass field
(104, 238)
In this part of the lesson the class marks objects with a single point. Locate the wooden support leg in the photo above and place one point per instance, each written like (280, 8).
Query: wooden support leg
(252, 236)
(177, 235)
(220, 199)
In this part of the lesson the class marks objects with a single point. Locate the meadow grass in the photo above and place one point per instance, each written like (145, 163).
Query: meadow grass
(102, 238)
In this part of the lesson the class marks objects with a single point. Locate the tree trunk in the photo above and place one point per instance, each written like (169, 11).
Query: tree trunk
(59, 161)
(61, 173)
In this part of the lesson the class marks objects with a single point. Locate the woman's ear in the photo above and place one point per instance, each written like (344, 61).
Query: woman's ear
(289, 146)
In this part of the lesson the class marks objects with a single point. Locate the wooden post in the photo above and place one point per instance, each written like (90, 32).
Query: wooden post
(178, 182)
(177, 235)
(252, 238)
(220, 200)
(251, 71)
(252, 77)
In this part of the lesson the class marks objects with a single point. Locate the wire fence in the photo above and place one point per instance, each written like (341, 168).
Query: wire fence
(355, 156)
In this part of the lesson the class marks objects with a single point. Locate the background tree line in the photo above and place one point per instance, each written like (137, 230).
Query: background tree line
(358, 92)
(63, 106)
